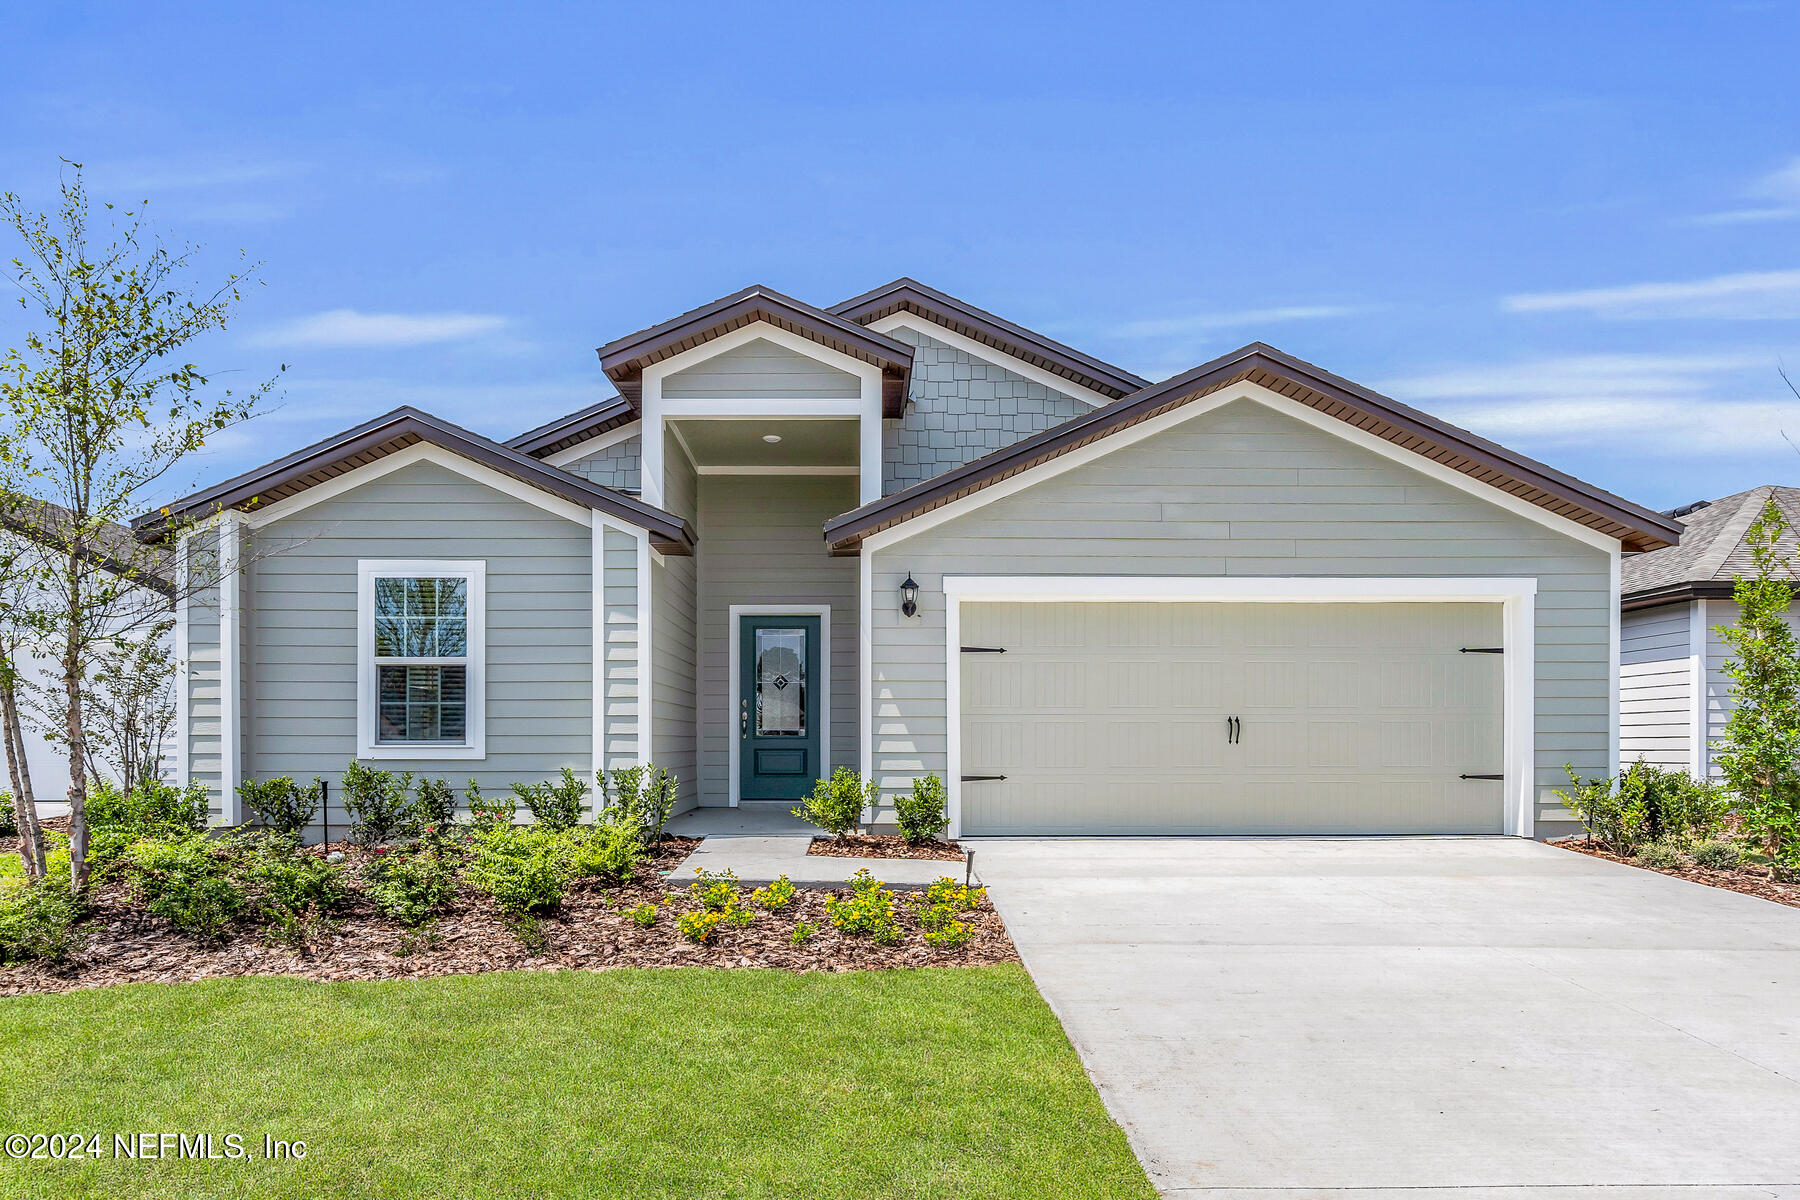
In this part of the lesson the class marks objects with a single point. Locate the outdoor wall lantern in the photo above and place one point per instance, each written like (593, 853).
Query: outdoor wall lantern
(909, 597)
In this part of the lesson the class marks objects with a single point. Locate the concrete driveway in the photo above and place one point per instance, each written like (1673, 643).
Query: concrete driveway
(1470, 1018)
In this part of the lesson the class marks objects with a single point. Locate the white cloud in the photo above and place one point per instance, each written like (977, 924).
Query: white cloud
(1780, 192)
(345, 327)
(1204, 322)
(1749, 296)
(155, 176)
(1669, 405)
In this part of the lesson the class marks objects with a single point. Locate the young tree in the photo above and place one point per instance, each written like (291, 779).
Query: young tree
(99, 406)
(1761, 746)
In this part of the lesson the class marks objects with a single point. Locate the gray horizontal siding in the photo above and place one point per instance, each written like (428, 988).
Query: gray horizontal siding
(1240, 481)
(204, 676)
(763, 545)
(621, 649)
(1719, 702)
(674, 731)
(302, 603)
(759, 369)
(1656, 687)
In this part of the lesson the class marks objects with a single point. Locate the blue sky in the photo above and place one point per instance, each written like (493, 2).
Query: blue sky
(1575, 229)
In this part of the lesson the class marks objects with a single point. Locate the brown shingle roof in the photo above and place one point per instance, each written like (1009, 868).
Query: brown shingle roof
(1712, 553)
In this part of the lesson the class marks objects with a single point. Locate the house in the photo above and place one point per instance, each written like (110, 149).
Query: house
(1674, 695)
(906, 536)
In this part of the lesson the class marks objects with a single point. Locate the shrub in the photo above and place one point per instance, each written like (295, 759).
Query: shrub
(492, 814)
(152, 807)
(378, 802)
(643, 916)
(292, 883)
(435, 806)
(699, 926)
(554, 806)
(776, 896)
(9, 820)
(946, 891)
(37, 922)
(920, 813)
(804, 931)
(281, 804)
(643, 797)
(717, 892)
(868, 910)
(410, 889)
(949, 935)
(1646, 803)
(1716, 855)
(186, 882)
(524, 870)
(936, 916)
(609, 850)
(836, 804)
(1661, 856)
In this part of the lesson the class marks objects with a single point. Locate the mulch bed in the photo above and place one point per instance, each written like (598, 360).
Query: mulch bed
(884, 845)
(592, 932)
(1750, 880)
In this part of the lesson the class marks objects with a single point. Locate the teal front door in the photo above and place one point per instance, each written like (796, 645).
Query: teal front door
(778, 707)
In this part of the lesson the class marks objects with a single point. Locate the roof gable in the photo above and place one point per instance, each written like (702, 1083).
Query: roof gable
(370, 442)
(624, 360)
(1713, 551)
(909, 295)
(1458, 450)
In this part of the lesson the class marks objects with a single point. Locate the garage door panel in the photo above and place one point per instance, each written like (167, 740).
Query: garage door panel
(1111, 718)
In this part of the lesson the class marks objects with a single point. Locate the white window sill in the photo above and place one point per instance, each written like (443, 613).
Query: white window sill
(422, 752)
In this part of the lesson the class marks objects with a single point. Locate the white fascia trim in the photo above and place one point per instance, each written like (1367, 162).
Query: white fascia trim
(231, 690)
(1200, 407)
(417, 453)
(184, 677)
(768, 470)
(821, 611)
(474, 570)
(646, 680)
(990, 355)
(1698, 751)
(602, 441)
(1517, 596)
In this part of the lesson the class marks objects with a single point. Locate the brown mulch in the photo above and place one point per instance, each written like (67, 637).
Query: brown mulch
(592, 932)
(1750, 880)
(884, 845)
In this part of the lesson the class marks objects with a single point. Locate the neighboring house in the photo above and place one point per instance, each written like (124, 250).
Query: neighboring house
(48, 758)
(1674, 696)
(905, 536)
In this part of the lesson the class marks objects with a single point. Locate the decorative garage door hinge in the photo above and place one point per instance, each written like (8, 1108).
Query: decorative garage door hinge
(980, 778)
(984, 649)
(1482, 650)
(1481, 777)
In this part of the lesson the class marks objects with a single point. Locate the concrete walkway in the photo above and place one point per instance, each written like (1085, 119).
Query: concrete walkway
(1418, 1018)
(759, 842)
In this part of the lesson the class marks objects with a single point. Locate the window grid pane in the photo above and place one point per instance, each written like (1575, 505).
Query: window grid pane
(421, 618)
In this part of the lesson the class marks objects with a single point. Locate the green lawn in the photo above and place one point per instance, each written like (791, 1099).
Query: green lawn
(681, 1083)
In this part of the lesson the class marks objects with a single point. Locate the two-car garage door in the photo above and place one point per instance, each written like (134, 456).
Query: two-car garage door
(1166, 718)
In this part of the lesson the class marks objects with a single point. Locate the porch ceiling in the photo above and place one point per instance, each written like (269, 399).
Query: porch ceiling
(739, 443)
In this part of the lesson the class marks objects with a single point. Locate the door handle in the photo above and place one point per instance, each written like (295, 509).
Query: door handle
(743, 718)
(1234, 729)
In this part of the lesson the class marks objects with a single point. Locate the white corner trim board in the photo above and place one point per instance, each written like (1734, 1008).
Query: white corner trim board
(822, 686)
(993, 357)
(1699, 752)
(231, 706)
(646, 632)
(474, 745)
(597, 665)
(184, 675)
(1205, 404)
(1517, 596)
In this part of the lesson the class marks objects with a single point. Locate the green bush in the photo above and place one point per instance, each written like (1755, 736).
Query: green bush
(946, 891)
(281, 804)
(410, 888)
(37, 922)
(804, 932)
(640, 796)
(487, 814)
(920, 813)
(776, 896)
(152, 807)
(187, 882)
(642, 915)
(836, 804)
(9, 820)
(1660, 856)
(524, 870)
(949, 935)
(1645, 804)
(289, 882)
(435, 806)
(379, 803)
(715, 890)
(609, 850)
(554, 806)
(1715, 855)
(868, 910)
(699, 926)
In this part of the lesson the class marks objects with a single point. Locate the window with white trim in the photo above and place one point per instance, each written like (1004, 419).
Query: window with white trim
(420, 643)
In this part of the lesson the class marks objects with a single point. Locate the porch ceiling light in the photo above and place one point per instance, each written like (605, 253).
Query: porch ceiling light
(771, 438)
(909, 597)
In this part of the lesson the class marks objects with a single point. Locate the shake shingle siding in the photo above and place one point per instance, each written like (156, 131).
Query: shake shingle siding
(617, 466)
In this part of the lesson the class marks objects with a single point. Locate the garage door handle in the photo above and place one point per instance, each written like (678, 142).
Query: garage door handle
(1481, 777)
(980, 778)
(1234, 729)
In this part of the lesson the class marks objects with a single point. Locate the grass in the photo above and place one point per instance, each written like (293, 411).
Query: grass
(630, 1083)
